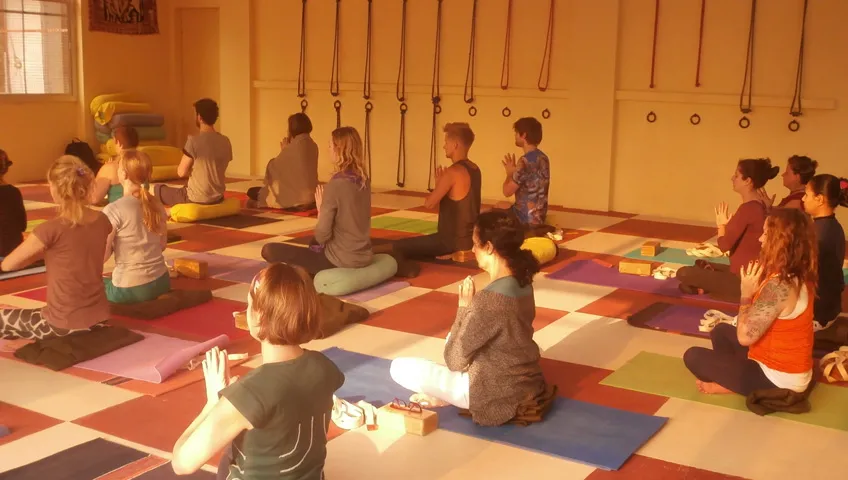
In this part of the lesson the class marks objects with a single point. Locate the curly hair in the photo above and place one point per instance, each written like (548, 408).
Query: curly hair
(506, 234)
(790, 249)
(348, 147)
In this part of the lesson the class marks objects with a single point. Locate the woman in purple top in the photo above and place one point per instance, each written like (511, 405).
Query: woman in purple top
(737, 235)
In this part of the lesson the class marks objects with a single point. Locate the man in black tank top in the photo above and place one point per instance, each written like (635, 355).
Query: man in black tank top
(457, 194)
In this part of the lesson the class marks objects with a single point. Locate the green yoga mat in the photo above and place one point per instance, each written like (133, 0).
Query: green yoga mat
(674, 255)
(668, 377)
(411, 225)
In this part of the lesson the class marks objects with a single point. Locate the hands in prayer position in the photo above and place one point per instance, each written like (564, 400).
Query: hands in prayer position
(721, 214)
(466, 291)
(319, 196)
(751, 278)
(216, 372)
(510, 164)
(763, 196)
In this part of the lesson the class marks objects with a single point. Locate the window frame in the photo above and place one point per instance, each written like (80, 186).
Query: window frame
(74, 25)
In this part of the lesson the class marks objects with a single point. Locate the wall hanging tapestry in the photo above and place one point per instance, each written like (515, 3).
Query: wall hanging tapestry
(124, 17)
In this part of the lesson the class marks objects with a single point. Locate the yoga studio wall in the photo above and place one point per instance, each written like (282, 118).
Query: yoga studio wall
(604, 153)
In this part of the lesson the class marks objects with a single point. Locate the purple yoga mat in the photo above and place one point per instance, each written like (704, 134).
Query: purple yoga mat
(587, 271)
(375, 292)
(245, 272)
(153, 359)
(680, 318)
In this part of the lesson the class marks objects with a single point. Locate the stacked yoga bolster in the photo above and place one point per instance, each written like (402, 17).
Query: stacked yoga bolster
(344, 281)
(136, 120)
(144, 133)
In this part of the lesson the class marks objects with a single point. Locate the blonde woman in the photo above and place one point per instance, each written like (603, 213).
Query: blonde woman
(138, 236)
(107, 183)
(342, 236)
(74, 244)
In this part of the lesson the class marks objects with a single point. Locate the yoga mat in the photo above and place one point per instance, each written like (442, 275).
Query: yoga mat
(675, 255)
(668, 376)
(153, 359)
(87, 460)
(31, 224)
(682, 319)
(244, 274)
(583, 432)
(375, 292)
(206, 321)
(37, 267)
(587, 271)
(411, 225)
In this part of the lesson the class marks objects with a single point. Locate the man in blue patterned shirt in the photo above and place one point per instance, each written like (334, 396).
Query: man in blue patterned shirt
(529, 177)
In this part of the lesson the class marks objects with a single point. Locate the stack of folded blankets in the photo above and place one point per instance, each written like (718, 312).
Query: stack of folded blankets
(118, 109)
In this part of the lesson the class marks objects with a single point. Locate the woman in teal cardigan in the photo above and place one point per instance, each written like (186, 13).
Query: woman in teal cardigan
(491, 361)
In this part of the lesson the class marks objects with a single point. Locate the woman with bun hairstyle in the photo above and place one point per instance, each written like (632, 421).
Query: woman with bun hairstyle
(823, 194)
(491, 361)
(799, 170)
(739, 235)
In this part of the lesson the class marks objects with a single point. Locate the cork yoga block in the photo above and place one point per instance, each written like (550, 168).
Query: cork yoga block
(634, 268)
(187, 267)
(650, 249)
(240, 319)
(399, 419)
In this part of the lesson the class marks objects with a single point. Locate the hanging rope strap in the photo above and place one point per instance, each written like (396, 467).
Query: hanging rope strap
(366, 83)
(468, 94)
(301, 69)
(700, 44)
(654, 45)
(334, 75)
(366, 93)
(545, 71)
(505, 65)
(367, 147)
(747, 82)
(401, 166)
(400, 88)
(795, 108)
(400, 92)
(435, 96)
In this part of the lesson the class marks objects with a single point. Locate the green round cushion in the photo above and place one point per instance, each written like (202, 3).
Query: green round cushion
(344, 281)
(543, 248)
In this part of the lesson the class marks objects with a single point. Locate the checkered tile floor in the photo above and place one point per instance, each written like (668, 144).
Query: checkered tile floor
(580, 328)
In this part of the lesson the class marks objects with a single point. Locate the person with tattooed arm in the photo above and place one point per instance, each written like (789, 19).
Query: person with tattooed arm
(772, 346)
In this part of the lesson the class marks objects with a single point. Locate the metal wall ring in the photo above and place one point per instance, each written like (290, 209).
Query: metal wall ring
(337, 104)
(794, 126)
(651, 117)
(744, 122)
(472, 110)
(403, 108)
(437, 108)
(304, 104)
(695, 119)
(506, 112)
(546, 114)
(369, 106)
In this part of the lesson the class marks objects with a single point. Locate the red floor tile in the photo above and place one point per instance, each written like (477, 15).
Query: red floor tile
(662, 230)
(433, 314)
(207, 320)
(39, 294)
(436, 276)
(202, 238)
(186, 283)
(41, 213)
(22, 422)
(581, 382)
(36, 193)
(155, 422)
(20, 284)
(643, 468)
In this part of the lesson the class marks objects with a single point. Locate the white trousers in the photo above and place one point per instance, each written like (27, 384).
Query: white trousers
(429, 378)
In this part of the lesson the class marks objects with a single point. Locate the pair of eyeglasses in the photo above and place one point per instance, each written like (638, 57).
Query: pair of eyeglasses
(412, 407)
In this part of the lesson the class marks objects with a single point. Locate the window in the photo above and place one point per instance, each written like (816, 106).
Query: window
(35, 47)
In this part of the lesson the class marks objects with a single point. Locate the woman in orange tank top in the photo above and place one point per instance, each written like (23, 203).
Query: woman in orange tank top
(772, 346)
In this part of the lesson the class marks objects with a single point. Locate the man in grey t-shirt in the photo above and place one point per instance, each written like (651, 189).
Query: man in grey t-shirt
(205, 159)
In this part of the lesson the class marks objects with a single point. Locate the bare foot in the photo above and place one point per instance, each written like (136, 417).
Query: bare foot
(711, 388)
(427, 401)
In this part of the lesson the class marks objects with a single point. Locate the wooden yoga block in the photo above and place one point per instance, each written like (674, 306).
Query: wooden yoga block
(650, 249)
(389, 416)
(196, 269)
(634, 268)
(241, 320)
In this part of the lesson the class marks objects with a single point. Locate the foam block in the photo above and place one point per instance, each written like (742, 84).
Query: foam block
(196, 269)
(344, 281)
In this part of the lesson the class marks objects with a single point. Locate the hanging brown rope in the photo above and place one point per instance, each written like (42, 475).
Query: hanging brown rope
(545, 70)
(301, 69)
(505, 65)
(400, 93)
(468, 94)
(795, 109)
(366, 92)
(747, 82)
(435, 97)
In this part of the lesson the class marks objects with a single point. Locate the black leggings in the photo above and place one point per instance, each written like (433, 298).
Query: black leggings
(727, 363)
(311, 260)
(253, 193)
(426, 247)
(714, 279)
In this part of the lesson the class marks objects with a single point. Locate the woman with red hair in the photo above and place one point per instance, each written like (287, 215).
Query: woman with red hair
(772, 346)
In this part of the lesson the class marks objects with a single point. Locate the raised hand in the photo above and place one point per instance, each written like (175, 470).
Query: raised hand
(467, 289)
(751, 278)
(216, 372)
(509, 163)
(721, 214)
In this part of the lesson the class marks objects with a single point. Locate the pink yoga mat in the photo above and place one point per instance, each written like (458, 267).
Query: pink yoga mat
(153, 359)
(375, 292)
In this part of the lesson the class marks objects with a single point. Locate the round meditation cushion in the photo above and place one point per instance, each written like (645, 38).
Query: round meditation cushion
(192, 212)
(344, 281)
(164, 172)
(543, 248)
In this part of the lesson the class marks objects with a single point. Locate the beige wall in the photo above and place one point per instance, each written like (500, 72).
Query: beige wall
(604, 154)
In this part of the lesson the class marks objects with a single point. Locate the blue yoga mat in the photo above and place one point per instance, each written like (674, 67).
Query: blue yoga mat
(674, 255)
(38, 267)
(583, 432)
